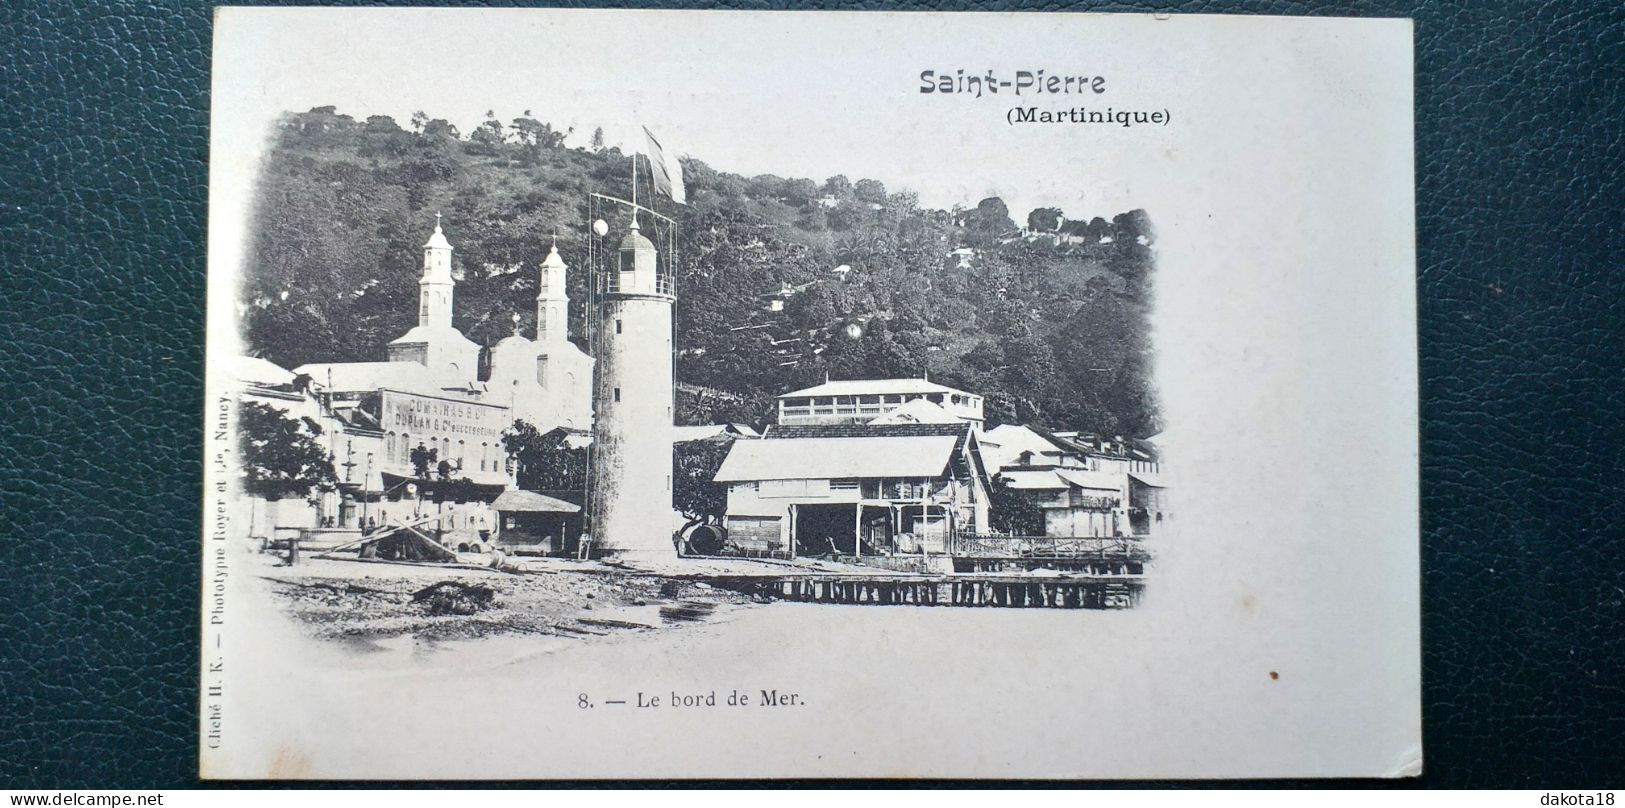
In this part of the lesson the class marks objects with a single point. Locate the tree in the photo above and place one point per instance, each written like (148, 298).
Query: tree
(448, 485)
(423, 458)
(870, 191)
(545, 462)
(440, 129)
(1015, 511)
(799, 192)
(1045, 220)
(990, 220)
(488, 137)
(598, 139)
(694, 491)
(535, 135)
(282, 456)
(838, 186)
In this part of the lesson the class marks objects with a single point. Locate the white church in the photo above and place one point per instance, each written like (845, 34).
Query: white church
(430, 392)
(546, 381)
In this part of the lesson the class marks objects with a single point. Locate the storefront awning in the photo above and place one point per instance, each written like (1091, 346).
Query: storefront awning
(485, 492)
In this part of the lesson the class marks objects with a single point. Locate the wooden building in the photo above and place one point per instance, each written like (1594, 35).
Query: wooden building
(855, 489)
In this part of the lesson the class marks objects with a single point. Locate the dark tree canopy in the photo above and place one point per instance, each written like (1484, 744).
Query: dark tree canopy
(545, 462)
(282, 456)
(1015, 511)
(694, 464)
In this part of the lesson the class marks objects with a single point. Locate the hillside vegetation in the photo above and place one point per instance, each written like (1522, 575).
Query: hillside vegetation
(1049, 321)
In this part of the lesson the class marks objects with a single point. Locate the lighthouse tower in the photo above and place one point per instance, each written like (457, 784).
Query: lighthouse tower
(632, 409)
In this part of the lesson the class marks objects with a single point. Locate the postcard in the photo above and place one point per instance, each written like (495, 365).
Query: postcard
(684, 394)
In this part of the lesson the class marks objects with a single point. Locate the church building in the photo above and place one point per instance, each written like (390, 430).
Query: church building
(429, 392)
(547, 381)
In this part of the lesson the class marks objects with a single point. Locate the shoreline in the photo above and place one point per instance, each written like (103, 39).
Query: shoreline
(362, 602)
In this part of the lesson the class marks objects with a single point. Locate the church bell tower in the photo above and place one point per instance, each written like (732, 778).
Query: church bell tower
(553, 301)
(435, 287)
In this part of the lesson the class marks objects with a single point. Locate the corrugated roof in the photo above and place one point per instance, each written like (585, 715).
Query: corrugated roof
(432, 333)
(1091, 479)
(351, 377)
(521, 501)
(255, 370)
(680, 434)
(837, 458)
(859, 387)
(1045, 480)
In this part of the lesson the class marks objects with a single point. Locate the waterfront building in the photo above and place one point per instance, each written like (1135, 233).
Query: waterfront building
(1092, 485)
(855, 489)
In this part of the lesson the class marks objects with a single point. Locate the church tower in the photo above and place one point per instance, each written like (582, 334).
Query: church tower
(553, 301)
(433, 342)
(435, 287)
(632, 434)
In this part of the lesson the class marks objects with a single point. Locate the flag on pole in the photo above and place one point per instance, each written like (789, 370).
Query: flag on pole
(665, 171)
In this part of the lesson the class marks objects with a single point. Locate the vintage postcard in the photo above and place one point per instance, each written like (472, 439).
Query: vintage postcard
(665, 394)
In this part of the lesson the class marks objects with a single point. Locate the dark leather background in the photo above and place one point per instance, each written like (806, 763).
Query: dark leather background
(1520, 111)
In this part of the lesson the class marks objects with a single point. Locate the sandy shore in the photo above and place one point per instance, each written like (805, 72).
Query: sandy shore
(363, 600)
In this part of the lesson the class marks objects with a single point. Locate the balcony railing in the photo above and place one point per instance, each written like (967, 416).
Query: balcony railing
(635, 283)
(978, 545)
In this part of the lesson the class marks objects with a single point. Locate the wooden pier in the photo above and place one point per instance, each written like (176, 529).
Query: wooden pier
(1014, 592)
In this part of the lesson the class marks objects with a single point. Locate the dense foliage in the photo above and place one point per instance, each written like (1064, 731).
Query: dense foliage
(694, 465)
(1048, 322)
(1016, 511)
(545, 463)
(282, 456)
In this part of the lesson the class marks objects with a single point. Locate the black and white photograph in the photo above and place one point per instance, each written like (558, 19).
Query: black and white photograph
(652, 394)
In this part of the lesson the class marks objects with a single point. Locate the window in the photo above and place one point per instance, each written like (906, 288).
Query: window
(617, 394)
(843, 485)
(617, 326)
